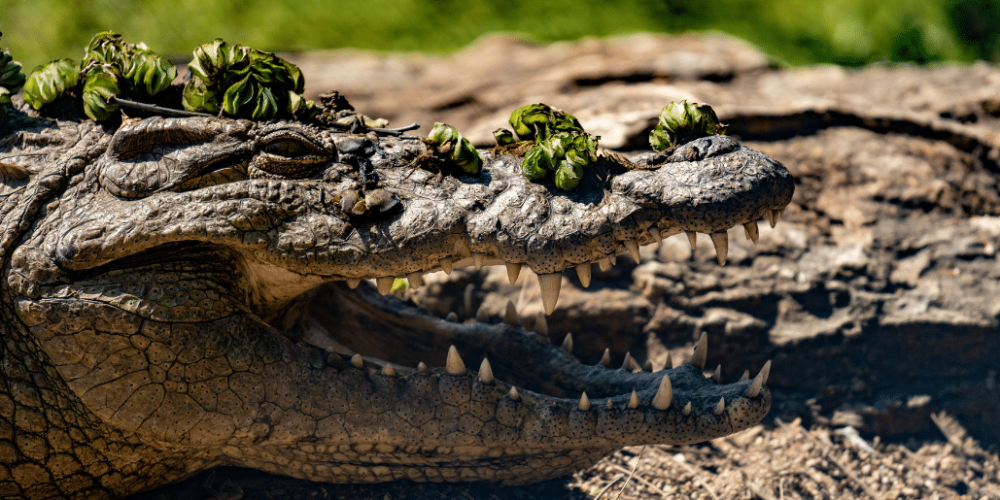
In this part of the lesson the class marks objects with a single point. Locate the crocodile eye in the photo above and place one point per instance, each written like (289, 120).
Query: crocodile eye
(289, 154)
(289, 148)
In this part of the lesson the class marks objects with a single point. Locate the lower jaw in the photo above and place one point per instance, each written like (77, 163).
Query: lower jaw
(393, 341)
(536, 465)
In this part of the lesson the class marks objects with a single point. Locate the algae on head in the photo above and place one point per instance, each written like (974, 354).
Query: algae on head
(237, 81)
(11, 79)
(682, 122)
(561, 147)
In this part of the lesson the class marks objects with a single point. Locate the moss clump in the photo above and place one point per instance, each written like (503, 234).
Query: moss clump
(233, 80)
(244, 82)
(447, 144)
(11, 79)
(557, 145)
(682, 122)
(110, 68)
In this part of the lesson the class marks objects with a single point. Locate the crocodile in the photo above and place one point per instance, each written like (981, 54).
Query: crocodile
(183, 293)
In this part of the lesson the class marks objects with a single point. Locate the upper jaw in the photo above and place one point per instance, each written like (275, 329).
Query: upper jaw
(500, 216)
(497, 216)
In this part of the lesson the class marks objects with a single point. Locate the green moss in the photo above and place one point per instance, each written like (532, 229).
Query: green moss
(448, 144)
(243, 82)
(680, 122)
(559, 148)
(11, 79)
(110, 68)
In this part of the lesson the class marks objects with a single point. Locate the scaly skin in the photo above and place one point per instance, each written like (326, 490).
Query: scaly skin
(160, 278)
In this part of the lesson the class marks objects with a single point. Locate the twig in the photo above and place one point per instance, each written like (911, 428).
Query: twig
(395, 131)
(607, 487)
(757, 487)
(650, 485)
(698, 478)
(953, 431)
(152, 108)
(849, 473)
(634, 467)
(850, 434)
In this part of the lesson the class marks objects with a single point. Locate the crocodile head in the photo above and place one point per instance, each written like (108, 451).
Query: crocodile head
(179, 292)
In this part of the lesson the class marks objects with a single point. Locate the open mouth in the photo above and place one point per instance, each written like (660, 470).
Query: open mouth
(269, 264)
(387, 338)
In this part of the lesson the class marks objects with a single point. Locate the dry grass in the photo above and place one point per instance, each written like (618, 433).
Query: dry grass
(791, 462)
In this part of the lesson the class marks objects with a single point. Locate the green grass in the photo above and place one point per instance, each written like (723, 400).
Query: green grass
(795, 32)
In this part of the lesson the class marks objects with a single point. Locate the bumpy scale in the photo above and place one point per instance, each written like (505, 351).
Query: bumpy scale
(161, 279)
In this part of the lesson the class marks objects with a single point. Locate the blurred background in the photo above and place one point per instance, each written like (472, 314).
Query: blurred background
(792, 32)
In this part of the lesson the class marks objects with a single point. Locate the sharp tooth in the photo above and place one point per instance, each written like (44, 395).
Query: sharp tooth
(454, 364)
(670, 362)
(541, 326)
(513, 394)
(460, 248)
(446, 265)
(753, 234)
(630, 363)
(700, 354)
(604, 264)
(609, 405)
(746, 375)
(692, 239)
(584, 402)
(647, 366)
(513, 271)
(772, 218)
(451, 317)
(550, 284)
(633, 250)
(353, 282)
(664, 395)
(655, 231)
(721, 242)
(358, 361)
(758, 381)
(633, 401)
(388, 371)
(485, 372)
(414, 279)
(422, 368)
(567, 344)
(583, 271)
(482, 316)
(606, 358)
(510, 315)
(717, 374)
(384, 285)
(613, 258)
(721, 406)
(625, 362)
(478, 258)
(687, 409)
(634, 365)
(781, 213)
